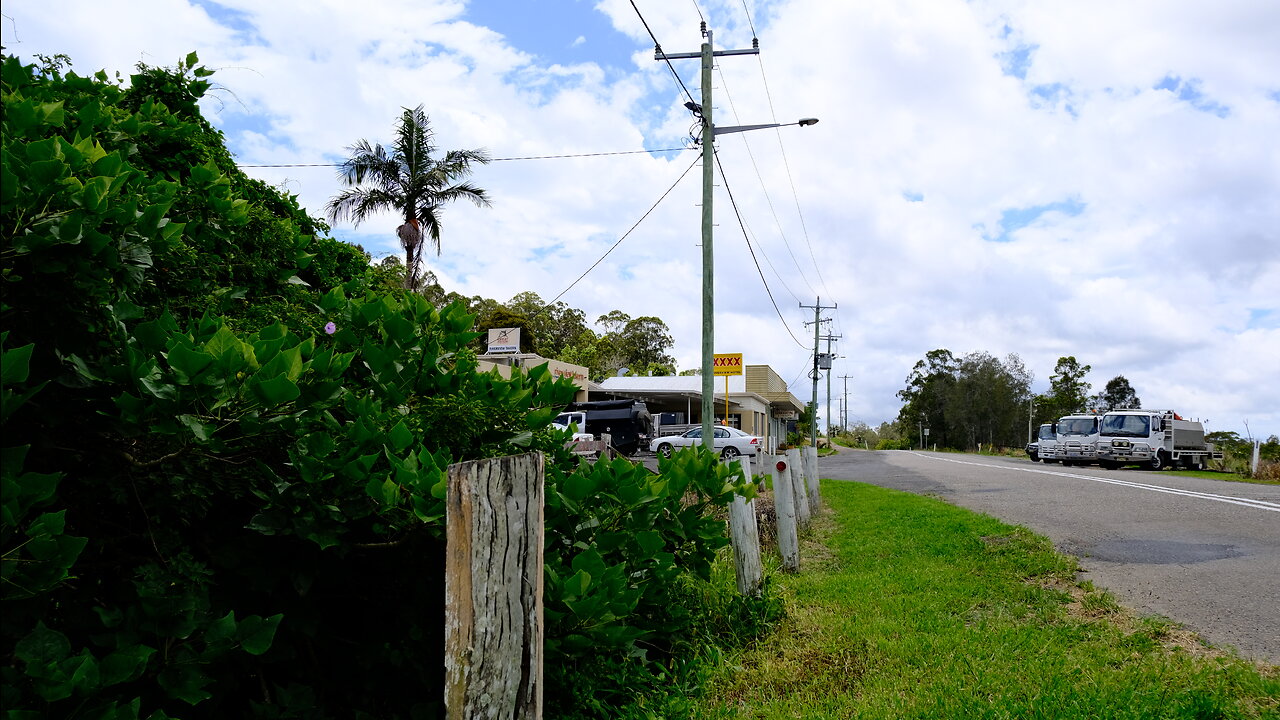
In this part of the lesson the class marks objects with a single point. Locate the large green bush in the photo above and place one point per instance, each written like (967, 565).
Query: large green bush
(222, 485)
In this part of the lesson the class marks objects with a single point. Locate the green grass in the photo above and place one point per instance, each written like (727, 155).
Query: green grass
(906, 607)
(1225, 476)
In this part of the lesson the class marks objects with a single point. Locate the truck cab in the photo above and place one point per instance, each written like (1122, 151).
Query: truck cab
(574, 421)
(1153, 438)
(1044, 446)
(1078, 439)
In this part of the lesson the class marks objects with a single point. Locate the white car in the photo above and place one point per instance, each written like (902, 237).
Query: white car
(730, 442)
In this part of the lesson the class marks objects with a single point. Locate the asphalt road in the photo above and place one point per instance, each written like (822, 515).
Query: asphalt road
(1204, 553)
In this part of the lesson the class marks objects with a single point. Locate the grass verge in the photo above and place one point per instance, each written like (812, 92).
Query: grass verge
(1225, 476)
(906, 607)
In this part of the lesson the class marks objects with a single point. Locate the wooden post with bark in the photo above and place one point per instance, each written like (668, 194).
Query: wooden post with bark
(493, 589)
(799, 486)
(746, 539)
(784, 506)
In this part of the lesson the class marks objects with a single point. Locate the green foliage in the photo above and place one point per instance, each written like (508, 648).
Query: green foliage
(1068, 391)
(619, 539)
(225, 440)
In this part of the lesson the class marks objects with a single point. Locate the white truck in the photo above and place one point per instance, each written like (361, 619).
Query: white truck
(627, 423)
(1153, 438)
(1044, 447)
(1077, 439)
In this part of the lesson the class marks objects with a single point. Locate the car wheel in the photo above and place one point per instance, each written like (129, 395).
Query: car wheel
(665, 450)
(729, 453)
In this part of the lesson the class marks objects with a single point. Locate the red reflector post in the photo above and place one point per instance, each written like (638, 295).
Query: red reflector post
(782, 465)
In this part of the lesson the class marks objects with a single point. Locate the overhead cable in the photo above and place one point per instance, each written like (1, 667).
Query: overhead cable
(769, 292)
(624, 236)
(501, 159)
(658, 47)
(769, 200)
(787, 165)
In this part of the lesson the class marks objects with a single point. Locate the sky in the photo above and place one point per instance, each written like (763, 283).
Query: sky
(1094, 179)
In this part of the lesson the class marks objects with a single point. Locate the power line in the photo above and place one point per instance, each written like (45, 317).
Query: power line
(749, 23)
(502, 159)
(657, 48)
(624, 236)
(769, 200)
(724, 179)
(787, 165)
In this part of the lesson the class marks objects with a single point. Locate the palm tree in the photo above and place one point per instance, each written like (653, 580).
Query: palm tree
(405, 179)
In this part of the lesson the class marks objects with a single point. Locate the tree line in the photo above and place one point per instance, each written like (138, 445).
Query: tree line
(978, 399)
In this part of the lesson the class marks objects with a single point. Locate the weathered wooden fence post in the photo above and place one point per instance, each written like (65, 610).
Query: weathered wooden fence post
(746, 538)
(811, 477)
(784, 506)
(799, 491)
(493, 589)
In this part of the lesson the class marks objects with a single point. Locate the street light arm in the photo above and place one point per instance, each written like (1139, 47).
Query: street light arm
(802, 122)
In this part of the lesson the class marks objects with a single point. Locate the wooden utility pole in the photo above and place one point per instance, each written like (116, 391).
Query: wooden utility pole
(813, 406)
(493, 589)
(704, 112)
(844, 413)
(829, 338)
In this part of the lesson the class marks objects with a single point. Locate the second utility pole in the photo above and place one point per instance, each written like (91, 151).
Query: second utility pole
(813, 406)
(831, 359)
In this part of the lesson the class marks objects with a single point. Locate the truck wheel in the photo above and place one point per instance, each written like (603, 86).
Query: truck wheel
(729, 453)
(1034, 457)
(1158, 461)
(1108, 465)
(665, 450)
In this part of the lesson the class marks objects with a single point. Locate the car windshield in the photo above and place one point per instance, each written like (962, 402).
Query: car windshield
(1125, 425)
(1077, 426)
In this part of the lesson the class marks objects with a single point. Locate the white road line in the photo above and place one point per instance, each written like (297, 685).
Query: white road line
(1246, 502)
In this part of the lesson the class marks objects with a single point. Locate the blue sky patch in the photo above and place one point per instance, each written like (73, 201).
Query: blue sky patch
(1261, 318)
(1052, 95)
(568, 33)
(1016, 61)
(913, 196)
(1015, 219)
(246, 31)
(1189, 92)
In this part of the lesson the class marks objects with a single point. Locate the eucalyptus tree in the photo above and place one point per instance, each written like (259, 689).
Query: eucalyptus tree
(1117, 394)
(407, 178)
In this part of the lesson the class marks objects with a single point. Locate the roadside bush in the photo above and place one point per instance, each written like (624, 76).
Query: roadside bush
(1269, 472)
(223, 489)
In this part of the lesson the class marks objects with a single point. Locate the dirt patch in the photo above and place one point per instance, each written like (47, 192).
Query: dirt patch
(1090, 604)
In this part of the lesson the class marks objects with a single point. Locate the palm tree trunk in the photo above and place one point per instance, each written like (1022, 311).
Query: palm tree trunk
(410, 234)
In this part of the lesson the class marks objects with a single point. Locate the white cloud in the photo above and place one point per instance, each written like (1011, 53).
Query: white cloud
(1167, 274)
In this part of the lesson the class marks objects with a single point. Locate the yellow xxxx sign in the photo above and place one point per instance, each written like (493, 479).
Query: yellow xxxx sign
(727, 364)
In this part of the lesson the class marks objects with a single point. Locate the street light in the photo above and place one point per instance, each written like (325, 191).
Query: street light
(709, 132)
